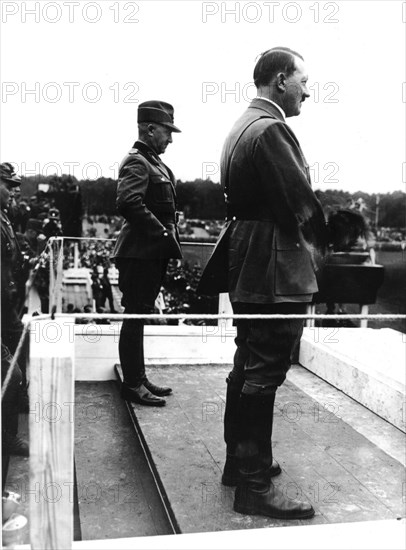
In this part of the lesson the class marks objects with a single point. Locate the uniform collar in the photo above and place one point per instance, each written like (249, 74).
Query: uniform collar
(150, 155)
(268, 106)
(275, 104)
(147, 151)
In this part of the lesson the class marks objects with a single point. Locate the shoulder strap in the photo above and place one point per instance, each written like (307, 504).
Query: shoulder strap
(226, 177)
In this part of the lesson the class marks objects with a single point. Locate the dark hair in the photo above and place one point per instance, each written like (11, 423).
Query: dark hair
(272, 62)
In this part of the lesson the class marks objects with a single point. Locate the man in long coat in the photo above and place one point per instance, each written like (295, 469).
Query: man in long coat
(11, 325)
(267, 258)
(146, 198)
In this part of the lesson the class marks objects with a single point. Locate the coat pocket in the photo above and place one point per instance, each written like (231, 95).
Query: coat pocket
(294, 273)
(162, 189)
(282, 241)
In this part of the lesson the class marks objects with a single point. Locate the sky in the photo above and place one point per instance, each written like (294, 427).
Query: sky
(74, 72)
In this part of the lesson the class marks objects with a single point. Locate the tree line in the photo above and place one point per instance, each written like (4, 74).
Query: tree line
(204, 199)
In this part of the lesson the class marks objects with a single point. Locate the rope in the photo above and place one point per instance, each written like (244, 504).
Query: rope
(114, 240)
(14, 361)
(377, 316)
(83, 239)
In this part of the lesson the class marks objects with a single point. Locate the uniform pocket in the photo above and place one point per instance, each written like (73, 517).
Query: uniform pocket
(282, 241)
(294, 273)
(162, 189)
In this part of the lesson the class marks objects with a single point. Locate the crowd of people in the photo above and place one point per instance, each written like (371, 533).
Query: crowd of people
(26, 226)
(95, 257)
(34, 221)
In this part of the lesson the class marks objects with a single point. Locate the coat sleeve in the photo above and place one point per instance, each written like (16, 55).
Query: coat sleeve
(131, 190)
(284, 178)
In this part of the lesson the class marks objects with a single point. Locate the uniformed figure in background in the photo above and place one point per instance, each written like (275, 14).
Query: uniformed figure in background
(266, 258)
(11, 325)
(11, 262)
(146, 198)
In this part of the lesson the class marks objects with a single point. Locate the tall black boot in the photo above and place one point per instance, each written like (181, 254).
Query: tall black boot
(235, 382)
(232, 433)
(255, 493)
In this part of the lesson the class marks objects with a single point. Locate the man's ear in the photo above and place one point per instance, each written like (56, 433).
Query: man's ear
(151, 129)
(281, 81)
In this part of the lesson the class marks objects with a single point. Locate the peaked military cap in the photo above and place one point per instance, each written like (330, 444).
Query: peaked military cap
(8, 175)
(157, 111)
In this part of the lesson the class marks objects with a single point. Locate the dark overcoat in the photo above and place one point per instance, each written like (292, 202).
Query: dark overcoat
(11, 262)
(275, 236)
(146, 198)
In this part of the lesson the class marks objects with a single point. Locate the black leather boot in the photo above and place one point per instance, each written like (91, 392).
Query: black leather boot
(160, 391)
(231, 473)
(231, 429)
(232, 432)
(141, 395)
(255, 493)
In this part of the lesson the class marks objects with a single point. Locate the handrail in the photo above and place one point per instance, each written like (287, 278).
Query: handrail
(216, 316)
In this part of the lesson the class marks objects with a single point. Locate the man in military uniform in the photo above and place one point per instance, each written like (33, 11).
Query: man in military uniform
(146, 198)
(266, 258)
(11, 325)
(11, 259)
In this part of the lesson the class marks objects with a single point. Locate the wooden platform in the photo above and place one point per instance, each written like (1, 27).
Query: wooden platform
(117, 497)
(345, 460)
(114, 494)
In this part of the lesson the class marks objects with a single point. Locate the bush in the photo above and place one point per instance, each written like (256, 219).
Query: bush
(180, 293)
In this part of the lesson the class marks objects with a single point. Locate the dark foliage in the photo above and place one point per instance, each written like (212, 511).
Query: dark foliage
(345, 228)
(204, 199)
(180, 292)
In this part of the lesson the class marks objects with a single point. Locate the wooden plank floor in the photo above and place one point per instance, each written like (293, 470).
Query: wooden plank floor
(335, 453)
(117, 495)
(344, 459)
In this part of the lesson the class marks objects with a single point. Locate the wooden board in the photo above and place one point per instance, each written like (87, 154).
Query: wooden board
(51, 452)
(324, 459)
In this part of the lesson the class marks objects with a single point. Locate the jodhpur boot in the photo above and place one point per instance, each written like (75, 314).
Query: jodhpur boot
(232, 432)
(160, 391)
(231, 474)
(141, 395)
(255, 493)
